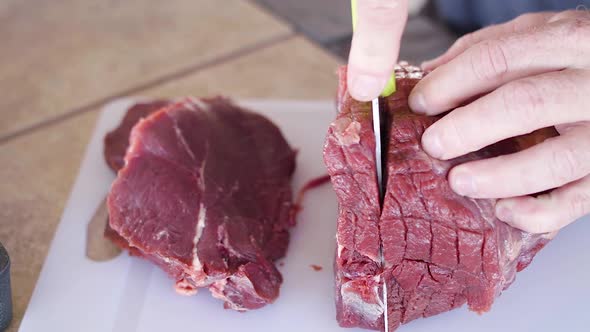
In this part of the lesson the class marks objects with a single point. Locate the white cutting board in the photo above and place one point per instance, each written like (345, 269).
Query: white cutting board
(127, 294)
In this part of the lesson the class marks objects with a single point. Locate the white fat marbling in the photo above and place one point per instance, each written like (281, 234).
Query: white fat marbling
(200, 104)
(161, 234)
(197, 266)
(371, 311)
(347, 131)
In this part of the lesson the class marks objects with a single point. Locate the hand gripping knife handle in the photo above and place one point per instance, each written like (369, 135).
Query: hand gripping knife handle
(5, 291)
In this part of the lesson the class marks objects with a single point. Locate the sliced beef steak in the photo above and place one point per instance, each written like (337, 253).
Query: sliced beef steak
(440, 250)
(349, 157)
(205, 193)
(117, 141)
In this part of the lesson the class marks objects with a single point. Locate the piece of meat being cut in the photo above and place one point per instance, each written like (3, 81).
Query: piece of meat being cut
(205, 193)
(440, 250)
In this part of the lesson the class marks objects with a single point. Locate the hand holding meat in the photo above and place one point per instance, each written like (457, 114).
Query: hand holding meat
(508, 80)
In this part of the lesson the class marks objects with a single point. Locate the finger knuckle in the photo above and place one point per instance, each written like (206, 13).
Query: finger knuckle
(525, 21)
(576, 30)
(541, 226)
(579, 205)
(565, 15)
(523, 100)
(537, 221)
(579, 25)
(527, 183)
(489, 60)
(464, 41)
(455, 135)
(564, 165)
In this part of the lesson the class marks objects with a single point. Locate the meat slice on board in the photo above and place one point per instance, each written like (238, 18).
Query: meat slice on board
(205, 193)
(117, 141)
(440, 250)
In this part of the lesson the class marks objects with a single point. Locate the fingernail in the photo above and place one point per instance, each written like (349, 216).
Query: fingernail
(417, 103)
(367, 87)
(504, 213)
(463, 183)
(432, 144)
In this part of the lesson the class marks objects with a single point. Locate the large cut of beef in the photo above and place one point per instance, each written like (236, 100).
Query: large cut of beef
(440, 250)
(204, 192)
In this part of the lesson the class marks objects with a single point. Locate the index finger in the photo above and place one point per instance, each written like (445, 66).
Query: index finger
(375, 46)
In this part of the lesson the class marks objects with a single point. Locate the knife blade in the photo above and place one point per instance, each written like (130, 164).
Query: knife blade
(376, 110)
(376, 114)
(378, 151)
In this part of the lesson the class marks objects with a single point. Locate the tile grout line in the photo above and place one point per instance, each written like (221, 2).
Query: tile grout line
(271, 13)
(166, 78)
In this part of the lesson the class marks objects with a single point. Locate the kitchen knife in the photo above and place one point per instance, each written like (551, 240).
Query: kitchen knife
(376, 112)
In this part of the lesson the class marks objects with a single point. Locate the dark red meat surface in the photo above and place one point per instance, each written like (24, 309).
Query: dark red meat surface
(117, 141)
(440, 250)
(204, 192)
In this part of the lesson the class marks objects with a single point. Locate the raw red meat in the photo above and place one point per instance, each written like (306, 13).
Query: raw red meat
(440, 250)
(205, 193)
(117, 141)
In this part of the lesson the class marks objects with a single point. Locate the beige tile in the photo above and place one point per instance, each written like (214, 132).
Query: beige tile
(58, 55)
(294, 68)
(37, 173)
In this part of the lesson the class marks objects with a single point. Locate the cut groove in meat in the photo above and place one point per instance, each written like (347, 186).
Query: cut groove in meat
(180, 202)
(440, 250)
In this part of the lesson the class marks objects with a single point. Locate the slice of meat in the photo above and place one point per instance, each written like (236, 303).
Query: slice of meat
(440, 250)
(205, 194)
(117, 141)
(349, 157)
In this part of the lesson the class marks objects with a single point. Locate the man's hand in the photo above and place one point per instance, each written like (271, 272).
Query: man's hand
(509, 80)
(375, 46)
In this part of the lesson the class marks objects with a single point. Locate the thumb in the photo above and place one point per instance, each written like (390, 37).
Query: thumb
(375, 46)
